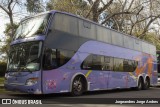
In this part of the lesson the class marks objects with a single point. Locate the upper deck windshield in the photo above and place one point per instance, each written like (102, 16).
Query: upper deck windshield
(32, 26)
(25, 57)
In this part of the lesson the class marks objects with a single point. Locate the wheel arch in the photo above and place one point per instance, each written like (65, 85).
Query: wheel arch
(140, 77)
(83, 76)
(147, 77)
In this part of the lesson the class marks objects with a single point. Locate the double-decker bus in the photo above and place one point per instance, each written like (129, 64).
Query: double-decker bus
(57, 52)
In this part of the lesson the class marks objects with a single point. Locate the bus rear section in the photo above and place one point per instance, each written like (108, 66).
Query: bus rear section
(158, 66)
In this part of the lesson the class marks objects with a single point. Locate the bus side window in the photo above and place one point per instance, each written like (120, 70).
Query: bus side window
(108, 62)
(118, 65)
(129, 65)
(87, 64)
(96, 62)
(50, 59)
(47, 59)
(93, 62)
(54, 58)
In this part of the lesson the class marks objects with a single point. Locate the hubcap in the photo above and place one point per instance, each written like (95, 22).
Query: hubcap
(77, 86)
(147, 84)
(140, 85)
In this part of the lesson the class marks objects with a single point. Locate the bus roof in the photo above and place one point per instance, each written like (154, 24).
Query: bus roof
(56, 11)
(70, 14)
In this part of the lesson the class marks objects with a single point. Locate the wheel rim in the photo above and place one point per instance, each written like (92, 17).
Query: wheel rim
(140, 85)
(77, 86)
(147, 84)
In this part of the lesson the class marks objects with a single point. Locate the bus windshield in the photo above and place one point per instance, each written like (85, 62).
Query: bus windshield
(25, 57)
(32, 26)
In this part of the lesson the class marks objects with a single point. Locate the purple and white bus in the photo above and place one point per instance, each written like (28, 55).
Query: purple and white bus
(57, 52)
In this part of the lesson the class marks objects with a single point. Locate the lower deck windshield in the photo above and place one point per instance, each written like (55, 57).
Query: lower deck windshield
(24, 57)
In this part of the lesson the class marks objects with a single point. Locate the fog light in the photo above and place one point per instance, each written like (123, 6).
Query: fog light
(31, 81)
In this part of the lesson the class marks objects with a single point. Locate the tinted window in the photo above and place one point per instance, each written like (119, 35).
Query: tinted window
(118, 64)
(129, 65)
(56, 57)
(32, 27)
(87, 29)
(103, 34)
(93, 62)
(126, 65)
(128, 42)
(96, 62)
(87, 64)
(117, 38)
(66, 23)
(108, 63)
(25, 56)
(137, 45)
(64, 56)
(152, 49)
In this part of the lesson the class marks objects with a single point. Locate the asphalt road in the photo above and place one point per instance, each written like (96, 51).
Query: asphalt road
(59, 100)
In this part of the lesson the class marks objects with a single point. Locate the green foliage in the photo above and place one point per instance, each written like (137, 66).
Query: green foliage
(5, 48)
(152, 38)
(34, 6)
(78, 7)
(3, 66)
(1, 80)
(7, 31)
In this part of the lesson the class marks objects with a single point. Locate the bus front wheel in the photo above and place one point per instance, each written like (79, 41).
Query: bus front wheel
(77, 86)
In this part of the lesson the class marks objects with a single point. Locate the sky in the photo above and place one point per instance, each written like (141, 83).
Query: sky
(3, 20)
(19, 13)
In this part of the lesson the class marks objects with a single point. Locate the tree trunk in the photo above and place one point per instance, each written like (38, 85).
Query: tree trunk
(12, 24)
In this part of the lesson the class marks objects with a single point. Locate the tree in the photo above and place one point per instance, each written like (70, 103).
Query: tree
(34, 6)
(7, 6)
(151, 37)
(78, 7)
(5, 48)
(96, 9)
(3, 66)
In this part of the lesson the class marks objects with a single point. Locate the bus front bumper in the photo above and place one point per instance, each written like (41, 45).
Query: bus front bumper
(23, 88)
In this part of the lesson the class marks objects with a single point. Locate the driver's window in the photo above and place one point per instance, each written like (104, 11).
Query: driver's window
(33, 53)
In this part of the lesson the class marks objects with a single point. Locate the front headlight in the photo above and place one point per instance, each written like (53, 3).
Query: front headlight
(31, 81)
(6, 78)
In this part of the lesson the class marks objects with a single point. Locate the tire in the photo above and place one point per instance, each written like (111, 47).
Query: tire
(77, 86)
(146, 84)
(140, 84)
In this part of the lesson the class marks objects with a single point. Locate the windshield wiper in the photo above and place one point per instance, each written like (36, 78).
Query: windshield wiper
(32, 60)
(26, 69)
